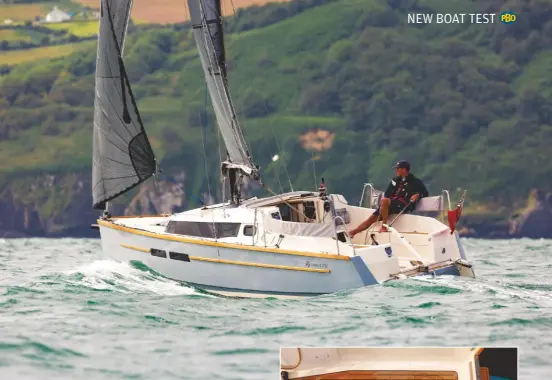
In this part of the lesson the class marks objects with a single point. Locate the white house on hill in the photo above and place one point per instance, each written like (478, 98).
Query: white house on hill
(57, 15)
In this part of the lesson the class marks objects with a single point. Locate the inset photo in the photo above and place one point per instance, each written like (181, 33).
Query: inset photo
(398, 363)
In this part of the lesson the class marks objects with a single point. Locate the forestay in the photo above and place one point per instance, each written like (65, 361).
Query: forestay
(208, 34)
(122, 154)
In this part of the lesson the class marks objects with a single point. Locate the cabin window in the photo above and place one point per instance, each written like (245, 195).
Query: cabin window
(304, 212)
(285, 212)
(179, 256)
(310, 210)
(158, 252)
(248, 230)
(203, 229)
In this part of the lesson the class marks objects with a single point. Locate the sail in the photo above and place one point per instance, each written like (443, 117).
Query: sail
(122, 154)
(208, 34)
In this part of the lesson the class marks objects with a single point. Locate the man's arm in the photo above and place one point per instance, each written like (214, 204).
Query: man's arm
(422, 189)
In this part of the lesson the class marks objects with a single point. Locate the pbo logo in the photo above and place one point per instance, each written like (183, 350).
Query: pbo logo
(508, 17)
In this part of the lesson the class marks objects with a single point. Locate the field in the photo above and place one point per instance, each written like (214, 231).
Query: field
(79, 28)
(13, 35)
(173, 11)
(15, 57)
(22, 12)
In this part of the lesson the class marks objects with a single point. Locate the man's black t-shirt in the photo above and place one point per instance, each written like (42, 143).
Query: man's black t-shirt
(404, 188)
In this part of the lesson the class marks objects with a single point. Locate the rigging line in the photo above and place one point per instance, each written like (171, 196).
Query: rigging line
(238, 137)
(220, 176)
(313, 167)
(280, 151)
(233, 7)
(188, 17)
(203, 138)
(203, 141)
(283, 200)
(160, 171)
(278, 177)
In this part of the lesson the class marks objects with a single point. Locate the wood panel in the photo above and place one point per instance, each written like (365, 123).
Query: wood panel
(484, 373)
(385, 375)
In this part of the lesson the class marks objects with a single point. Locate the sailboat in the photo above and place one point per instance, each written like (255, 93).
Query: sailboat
(382, 363)
(292, 244)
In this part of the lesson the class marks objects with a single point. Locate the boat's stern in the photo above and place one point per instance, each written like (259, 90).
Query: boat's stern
(445, 246)
(465, 269)
(375, 263)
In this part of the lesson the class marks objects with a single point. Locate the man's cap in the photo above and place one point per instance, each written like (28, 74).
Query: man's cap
(402, 164)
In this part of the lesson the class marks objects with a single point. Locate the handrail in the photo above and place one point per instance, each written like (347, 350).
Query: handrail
(445, 192)
(443, 213)
(337, 237)
(364, 190)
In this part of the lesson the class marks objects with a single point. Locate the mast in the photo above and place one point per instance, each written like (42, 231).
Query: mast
(122, 154)
(207, 28)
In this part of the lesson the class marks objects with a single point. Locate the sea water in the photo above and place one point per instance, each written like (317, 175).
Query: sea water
(66, 314)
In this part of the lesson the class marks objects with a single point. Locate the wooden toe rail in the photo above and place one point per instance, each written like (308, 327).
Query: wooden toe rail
(385, 375)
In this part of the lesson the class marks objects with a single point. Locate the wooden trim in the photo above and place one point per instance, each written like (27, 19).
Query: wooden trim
(138, 216)
(284, 267)
(384, 375)
(478, 352)
(244, 247)
(484, 373)
(135, 248)
(231, 262)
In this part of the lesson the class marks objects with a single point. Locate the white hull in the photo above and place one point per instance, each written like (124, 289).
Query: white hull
(240, 272)
(268, 264)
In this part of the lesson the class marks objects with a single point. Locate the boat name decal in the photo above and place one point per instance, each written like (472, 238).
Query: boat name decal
(308, 264)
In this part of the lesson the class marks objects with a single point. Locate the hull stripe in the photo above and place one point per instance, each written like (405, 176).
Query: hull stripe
(231, 262)
(243, 247)
(135, 248)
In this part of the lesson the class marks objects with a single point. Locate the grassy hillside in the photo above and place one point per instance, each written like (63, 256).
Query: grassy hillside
(468, 105)
(16, 57)
(79, 28)
(174, 11)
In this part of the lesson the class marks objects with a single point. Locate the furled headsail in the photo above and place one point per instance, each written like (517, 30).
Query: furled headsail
(208, 34)
(122, 154)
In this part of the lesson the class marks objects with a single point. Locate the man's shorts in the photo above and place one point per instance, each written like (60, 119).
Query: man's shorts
(395, 207)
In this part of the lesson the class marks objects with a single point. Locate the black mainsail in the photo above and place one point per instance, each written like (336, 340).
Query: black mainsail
(122, 155)
(206, 18)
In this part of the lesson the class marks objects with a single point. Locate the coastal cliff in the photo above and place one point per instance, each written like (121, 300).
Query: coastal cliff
(60, 205)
